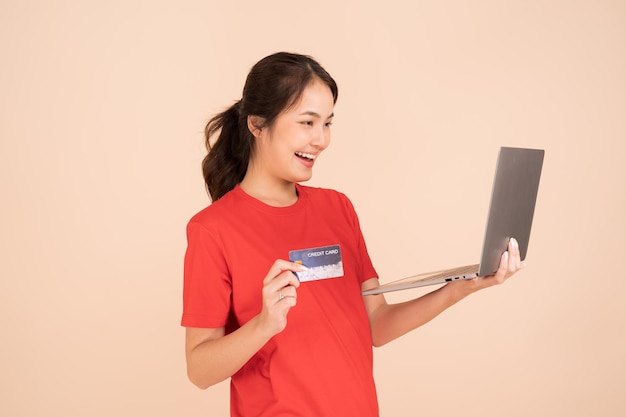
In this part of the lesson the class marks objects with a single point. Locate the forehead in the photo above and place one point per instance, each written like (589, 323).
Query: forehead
(316, 97)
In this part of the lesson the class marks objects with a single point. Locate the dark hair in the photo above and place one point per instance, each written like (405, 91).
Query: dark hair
(274, 84)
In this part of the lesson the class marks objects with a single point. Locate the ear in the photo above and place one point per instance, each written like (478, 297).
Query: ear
(256, 125)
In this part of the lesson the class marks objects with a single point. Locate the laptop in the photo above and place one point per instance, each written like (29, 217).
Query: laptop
(511, 211)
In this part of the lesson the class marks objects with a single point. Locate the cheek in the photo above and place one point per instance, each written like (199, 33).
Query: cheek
(295, 139)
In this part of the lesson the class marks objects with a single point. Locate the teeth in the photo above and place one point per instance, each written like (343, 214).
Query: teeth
(305, 155)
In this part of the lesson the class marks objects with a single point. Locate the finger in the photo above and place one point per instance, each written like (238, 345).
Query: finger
(288, 291)
(280, 296)
(514, 255)
(280, 266)
(287, 302)
(293, 278)
(286, 296)
(281, 287)
(503, 267)
(283, 280)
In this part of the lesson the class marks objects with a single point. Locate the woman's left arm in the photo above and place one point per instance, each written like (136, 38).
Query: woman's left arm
(390, 321)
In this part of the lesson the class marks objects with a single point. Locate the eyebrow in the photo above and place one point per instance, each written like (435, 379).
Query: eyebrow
(314, 114)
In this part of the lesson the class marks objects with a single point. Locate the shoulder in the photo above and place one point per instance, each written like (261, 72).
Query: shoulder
(318, 193)
(327, 197)
(216, 212)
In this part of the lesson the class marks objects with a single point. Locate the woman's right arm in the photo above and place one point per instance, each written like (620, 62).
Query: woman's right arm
(212, 356)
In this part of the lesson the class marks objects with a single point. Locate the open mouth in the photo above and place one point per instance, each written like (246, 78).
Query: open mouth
(306, 156)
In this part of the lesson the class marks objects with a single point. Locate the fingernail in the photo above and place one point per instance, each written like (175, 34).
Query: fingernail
(506, 255)
(301, 267)
(514, 243)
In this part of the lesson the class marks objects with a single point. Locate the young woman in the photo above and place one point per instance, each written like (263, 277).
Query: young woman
(290, 348)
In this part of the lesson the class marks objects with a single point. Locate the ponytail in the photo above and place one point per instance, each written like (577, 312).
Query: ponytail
(226, 163)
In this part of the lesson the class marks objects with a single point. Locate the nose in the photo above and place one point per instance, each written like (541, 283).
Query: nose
(321, 137)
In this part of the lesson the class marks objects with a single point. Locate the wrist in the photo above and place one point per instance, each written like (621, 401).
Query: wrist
(260, 329)
(456, 291)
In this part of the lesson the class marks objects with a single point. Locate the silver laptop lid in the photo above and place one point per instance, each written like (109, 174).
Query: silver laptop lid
(512, 204)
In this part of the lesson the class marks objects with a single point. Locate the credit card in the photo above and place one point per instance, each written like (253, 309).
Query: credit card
(322, 263)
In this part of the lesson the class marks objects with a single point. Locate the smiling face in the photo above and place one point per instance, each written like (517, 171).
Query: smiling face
(285, 152)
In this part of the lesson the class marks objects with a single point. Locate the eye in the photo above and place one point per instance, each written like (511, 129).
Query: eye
(328, 124)
(307, 123)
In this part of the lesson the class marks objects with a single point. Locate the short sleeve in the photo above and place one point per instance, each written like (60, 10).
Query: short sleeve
(366, 270)
(207, 285)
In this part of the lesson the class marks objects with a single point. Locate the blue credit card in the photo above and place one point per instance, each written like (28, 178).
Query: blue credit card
(321, 263)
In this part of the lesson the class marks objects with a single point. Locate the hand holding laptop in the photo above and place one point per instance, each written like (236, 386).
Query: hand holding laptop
(510, 263)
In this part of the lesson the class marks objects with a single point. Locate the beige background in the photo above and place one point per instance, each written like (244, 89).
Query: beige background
(102, 107)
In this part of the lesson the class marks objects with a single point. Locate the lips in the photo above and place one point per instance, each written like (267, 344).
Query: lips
(307, 156)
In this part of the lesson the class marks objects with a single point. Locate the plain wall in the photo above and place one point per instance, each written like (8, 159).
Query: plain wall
(102, 108)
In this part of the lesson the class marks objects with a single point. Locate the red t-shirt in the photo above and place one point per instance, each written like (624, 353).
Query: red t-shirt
(321, 364)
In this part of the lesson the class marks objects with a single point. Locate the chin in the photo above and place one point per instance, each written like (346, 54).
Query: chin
(301, 178)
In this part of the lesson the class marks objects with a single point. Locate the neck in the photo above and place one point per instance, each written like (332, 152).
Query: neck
(277, 194)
